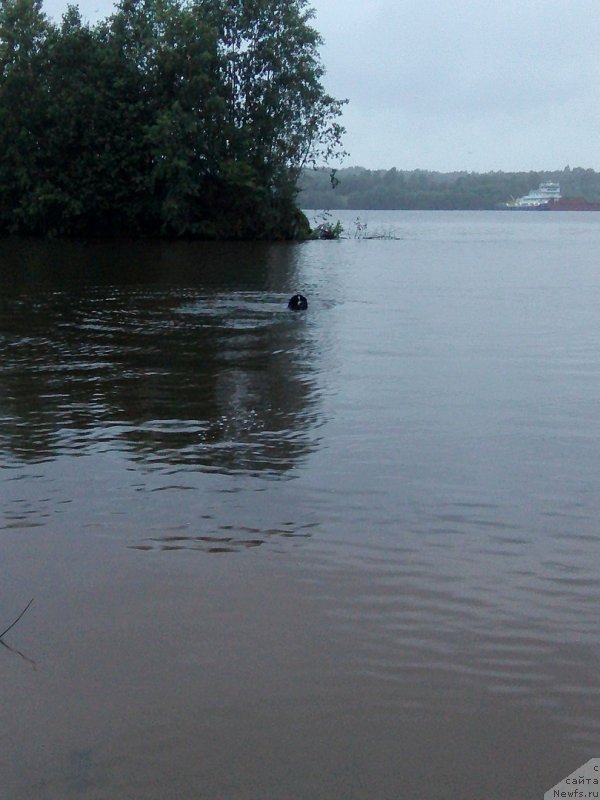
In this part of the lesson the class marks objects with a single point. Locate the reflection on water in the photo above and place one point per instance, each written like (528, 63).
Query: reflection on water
(226, 538)
(217, 376)
(351, 553)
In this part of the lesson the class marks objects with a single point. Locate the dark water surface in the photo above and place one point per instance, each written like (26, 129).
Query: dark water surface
(350, 553)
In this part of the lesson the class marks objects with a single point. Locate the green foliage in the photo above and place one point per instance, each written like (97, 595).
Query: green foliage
(359, 188)
(168, 118)
(328, 230)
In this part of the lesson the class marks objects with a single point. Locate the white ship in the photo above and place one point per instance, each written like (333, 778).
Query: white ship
(537, 198)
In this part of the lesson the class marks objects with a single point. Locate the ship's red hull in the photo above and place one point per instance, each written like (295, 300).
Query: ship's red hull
(570, 204)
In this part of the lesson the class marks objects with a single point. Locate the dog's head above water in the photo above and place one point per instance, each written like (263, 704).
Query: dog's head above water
(298, 303)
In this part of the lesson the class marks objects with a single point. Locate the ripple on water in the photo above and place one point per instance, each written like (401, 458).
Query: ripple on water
(419, 448)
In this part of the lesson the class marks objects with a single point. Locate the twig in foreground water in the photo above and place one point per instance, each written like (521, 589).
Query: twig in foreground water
(12, 625)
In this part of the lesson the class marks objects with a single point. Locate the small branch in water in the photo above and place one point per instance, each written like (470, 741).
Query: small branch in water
(12, 625)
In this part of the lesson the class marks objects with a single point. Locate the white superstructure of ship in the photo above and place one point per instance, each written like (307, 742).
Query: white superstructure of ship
(547, 191)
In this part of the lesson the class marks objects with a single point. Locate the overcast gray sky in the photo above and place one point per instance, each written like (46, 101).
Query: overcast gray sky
(445, 85)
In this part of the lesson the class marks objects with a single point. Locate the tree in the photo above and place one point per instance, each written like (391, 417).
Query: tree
(23, 29)
(278, 119)
(180, 118)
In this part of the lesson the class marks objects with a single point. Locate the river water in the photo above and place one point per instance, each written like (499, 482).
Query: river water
(347, 553)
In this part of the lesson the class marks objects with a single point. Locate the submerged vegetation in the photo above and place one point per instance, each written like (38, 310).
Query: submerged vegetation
(178, 119)
(325, 228)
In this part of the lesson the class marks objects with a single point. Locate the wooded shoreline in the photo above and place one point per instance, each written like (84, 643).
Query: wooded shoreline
(357, 188)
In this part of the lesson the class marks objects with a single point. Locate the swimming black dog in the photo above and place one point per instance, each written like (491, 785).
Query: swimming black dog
(298, 303)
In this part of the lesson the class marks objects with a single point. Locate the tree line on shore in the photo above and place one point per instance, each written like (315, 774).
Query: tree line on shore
(178, 118)
(359, 188)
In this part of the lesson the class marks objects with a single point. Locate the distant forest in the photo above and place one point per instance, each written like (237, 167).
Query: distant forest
(359, 188)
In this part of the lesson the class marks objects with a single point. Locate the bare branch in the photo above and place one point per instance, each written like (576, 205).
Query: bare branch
(12, 625)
